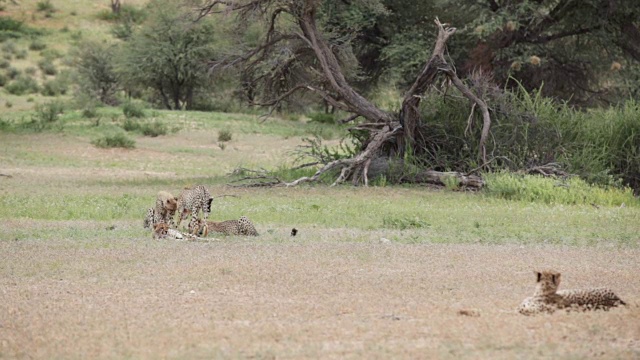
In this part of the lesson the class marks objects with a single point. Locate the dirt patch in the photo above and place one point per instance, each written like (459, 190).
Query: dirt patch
(238, 298)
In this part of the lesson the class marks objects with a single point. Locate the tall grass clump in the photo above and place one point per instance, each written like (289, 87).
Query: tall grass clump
(118, 140)
(607, 145)
(571, 191)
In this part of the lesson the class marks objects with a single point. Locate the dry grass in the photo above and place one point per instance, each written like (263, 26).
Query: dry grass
(239, 298)
(78, 287)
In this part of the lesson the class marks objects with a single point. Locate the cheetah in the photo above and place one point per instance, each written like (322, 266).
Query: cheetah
(192, 200)
(163, 231)
(547, 298)
(164, 211)
(150, 220)
(242, 226)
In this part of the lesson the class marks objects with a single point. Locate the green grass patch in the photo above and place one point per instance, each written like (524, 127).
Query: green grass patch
(534, 188)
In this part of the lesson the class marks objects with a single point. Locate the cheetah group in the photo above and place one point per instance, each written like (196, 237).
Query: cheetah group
(192, 201)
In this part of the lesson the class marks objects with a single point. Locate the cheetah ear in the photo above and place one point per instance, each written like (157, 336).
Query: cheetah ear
(539, 275)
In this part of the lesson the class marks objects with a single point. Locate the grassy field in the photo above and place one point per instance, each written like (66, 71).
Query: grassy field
(374, 272)
(377, 272)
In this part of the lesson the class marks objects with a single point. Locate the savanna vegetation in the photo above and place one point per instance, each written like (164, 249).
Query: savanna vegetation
(508, 144)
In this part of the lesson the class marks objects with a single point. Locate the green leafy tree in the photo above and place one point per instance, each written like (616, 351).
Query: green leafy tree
(95, 68)
(169, 55)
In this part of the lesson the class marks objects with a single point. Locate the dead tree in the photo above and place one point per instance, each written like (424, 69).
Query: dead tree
(389, 134)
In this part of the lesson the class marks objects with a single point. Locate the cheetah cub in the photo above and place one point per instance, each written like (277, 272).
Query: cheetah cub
(547, 298)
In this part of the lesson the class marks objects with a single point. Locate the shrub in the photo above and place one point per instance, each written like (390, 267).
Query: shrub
(127, 13)
(46, 116)
(49, 112)
(22, 54)
(118, 140)
(13, 73)
(37, 45)
(30, 71)
(3, 80)
(133, 109)
(45, 6)
(322, 118)
(130, 124)
(224, 135)
(4, 64)
(89, 112)
(51, 54)
(8, 104)
(47, 67)
(154, 129)
(55, 87)
(9, 47)
(22, 85)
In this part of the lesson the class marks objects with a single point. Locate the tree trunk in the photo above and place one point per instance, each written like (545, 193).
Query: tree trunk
(115, 6)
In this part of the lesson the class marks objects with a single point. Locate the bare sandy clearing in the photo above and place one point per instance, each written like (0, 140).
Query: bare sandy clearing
(242, 299)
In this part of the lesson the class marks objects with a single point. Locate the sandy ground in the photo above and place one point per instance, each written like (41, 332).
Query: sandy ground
(244, 299)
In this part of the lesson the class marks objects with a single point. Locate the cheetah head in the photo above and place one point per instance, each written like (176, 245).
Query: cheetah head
(171, 204)
(160, 230)
(547, 282)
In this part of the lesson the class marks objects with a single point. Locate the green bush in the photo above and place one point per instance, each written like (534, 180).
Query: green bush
(49, 112)
(133, 109)
(45, 6)
(9, 47)
(89, 112)
(118, 140)
(3, 80)
(12, 73)
(47, 67)
(127, 13)
(55, 87)
(322, 118)
(22, 85)
(154, 129)
(4, 64)
(224, 135)
(14, 29)
(30, 70)
(130, 124)
(46, 116)
(51, 54)
(37, 45)
(534, 188)
(22, 54)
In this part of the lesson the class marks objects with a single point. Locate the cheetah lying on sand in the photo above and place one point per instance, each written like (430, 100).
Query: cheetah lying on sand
(243, 227)
(163, 231)
(547, 298)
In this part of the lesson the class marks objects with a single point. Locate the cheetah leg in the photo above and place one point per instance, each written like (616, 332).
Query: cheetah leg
(194, 220)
